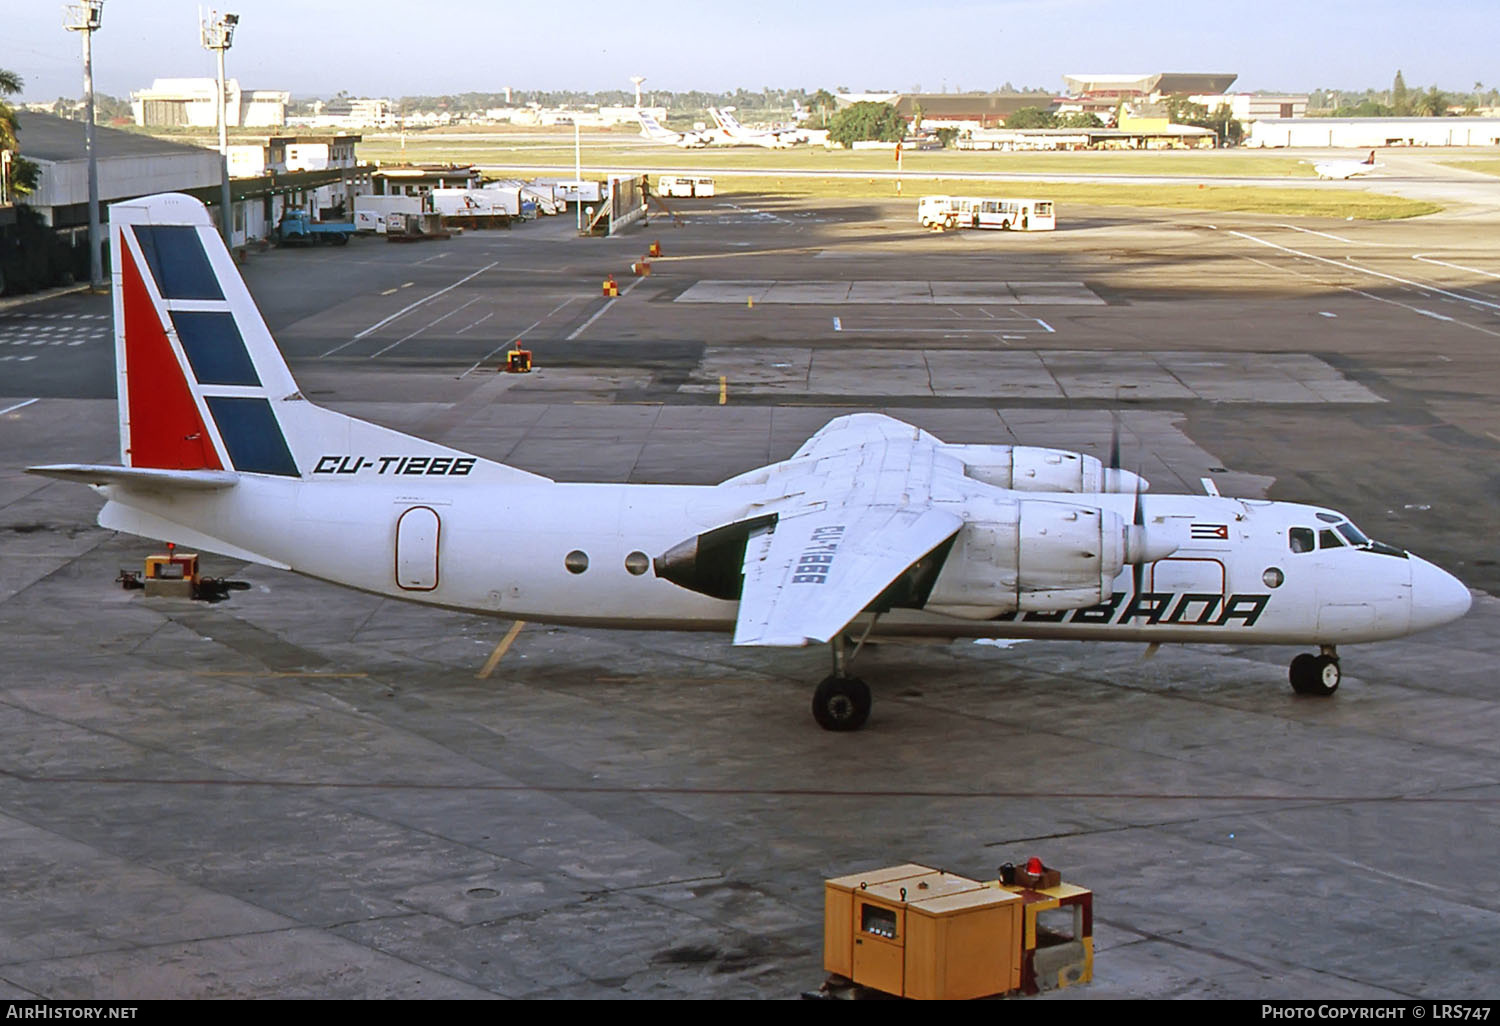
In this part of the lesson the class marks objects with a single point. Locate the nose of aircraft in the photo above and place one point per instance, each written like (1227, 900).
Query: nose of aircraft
(1437, 597)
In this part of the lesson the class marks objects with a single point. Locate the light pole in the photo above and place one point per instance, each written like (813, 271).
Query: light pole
(85, 17)
(218, 35)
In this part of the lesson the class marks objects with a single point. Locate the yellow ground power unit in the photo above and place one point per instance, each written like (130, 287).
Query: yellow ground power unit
(172, 574)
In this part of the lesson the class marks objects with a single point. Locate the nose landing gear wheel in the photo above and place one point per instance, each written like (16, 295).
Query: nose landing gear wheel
(841, 703)
(1315, 674)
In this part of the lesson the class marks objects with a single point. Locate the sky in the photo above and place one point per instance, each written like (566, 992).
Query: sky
(387, 48)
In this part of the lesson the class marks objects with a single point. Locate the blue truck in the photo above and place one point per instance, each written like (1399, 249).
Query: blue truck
(296, 228)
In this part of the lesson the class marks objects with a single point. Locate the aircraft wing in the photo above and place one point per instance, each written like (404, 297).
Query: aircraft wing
(807, 576)
(856, 430)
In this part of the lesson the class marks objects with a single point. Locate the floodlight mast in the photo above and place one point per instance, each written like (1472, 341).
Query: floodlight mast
(85, 18)
(218, 35)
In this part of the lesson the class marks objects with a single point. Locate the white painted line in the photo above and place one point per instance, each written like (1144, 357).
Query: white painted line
(600, 312)
(1209, 488)
(475, 324)
(1345, 265)
(18, 406)
(1361, 292)
(1434, 316)
(1325, 313)
(1044, 324)
(1460, 267)
(1309, 231)
(407, 309)
(837, 324)
(423, 328)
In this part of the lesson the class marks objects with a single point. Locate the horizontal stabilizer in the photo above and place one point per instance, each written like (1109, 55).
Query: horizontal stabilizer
(117, 516)
(152, 478)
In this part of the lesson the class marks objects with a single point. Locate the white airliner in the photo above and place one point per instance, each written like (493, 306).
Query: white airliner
(873, 527)
(732, 133)
(1343, 169)
(652, 129)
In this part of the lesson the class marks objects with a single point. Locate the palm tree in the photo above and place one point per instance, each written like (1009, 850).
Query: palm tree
(10, 84)
(22, 175)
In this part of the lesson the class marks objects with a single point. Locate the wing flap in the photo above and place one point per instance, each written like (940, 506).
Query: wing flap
(807, 577)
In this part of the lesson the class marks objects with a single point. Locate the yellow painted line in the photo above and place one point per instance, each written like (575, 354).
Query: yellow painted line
(723, 390)
(252, 673)
(390, 292)
(407, 284)
(500, 650)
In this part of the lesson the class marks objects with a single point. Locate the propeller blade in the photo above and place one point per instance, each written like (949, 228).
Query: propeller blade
(1138, 519)
(1114, 440)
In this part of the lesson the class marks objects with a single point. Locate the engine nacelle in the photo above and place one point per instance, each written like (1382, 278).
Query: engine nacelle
(1026, 468)
(1048, 556)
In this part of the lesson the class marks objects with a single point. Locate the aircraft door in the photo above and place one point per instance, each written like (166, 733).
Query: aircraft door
(417, 533)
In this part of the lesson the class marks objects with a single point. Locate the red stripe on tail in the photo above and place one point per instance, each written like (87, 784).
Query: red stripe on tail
(165, 428)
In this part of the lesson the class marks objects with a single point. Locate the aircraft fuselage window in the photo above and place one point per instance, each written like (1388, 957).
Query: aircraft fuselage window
(1300, 539)
(1329, 540)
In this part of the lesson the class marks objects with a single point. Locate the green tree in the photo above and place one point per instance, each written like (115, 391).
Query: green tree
(946, 136)
(1182, 111)
(1433, 104)
(1400, 98)
(22, 179)
(1079, 119)
(823, 104)
(866, 121)
(1030, 117)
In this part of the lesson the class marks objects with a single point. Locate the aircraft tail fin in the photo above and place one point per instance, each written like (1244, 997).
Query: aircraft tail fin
(197, 368)
(202, 385)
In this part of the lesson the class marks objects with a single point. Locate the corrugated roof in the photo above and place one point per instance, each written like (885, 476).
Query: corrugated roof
(45, 137)
(975, 104)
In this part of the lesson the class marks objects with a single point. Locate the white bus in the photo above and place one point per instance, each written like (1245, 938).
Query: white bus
(683, 186)
(1017, 215)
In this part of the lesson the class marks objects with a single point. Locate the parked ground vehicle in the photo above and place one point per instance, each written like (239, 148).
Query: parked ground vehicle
(370, 211)
(296, 228)
(1019, 215)
(684, 186)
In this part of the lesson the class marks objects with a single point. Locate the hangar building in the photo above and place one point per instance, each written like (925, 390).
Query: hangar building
(1373, 133)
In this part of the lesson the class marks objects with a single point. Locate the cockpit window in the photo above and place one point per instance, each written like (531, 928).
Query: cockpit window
(1341, 534)
(1354, 535)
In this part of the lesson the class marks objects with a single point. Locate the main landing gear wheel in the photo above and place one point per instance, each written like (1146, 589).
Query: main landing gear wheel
(1316, 674)
(841, 703)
